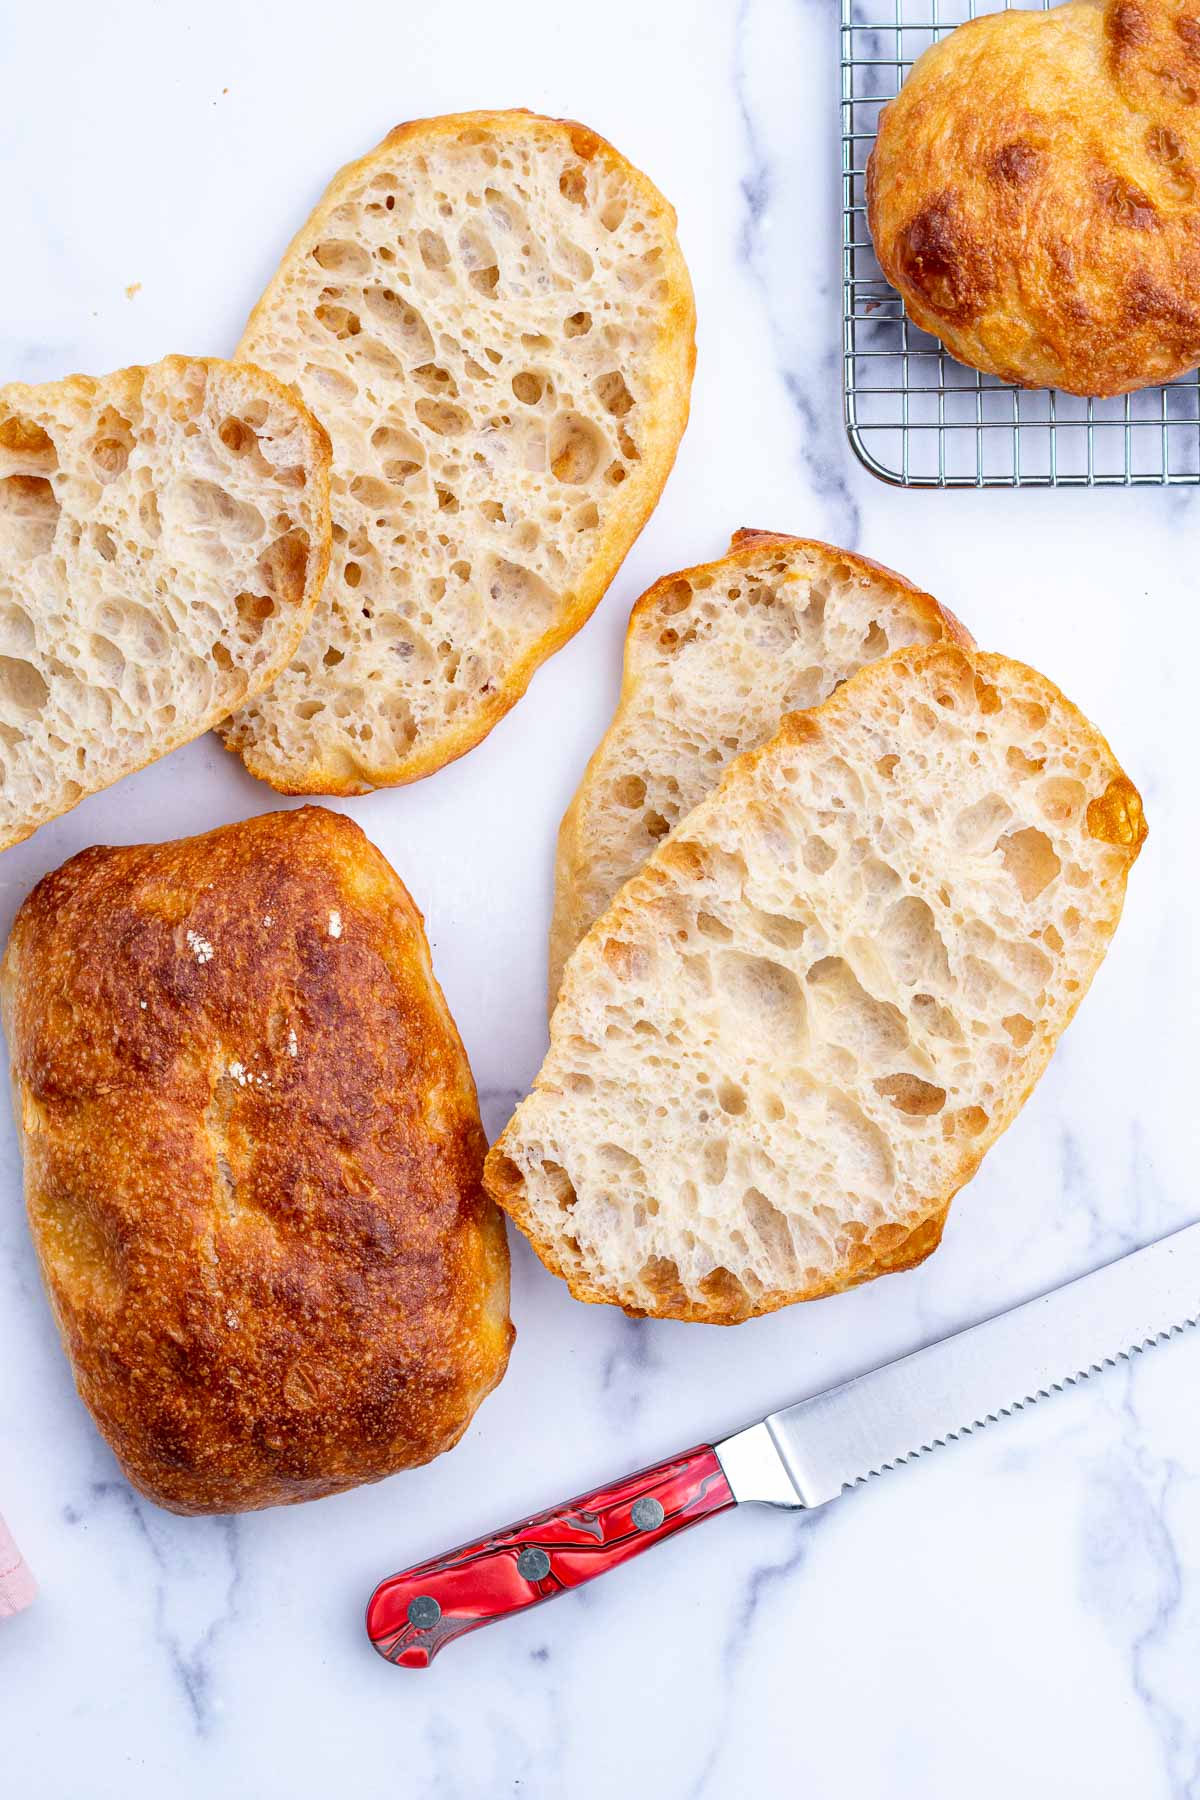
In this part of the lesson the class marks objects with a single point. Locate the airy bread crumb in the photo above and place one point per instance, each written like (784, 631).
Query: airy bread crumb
(492, 315)
(714, 658)
(792, 1037)
(164, 533)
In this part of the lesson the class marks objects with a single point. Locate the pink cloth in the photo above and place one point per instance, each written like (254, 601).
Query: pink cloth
(17, 1586)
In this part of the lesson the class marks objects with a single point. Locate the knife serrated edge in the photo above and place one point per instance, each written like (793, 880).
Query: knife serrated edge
(760, 1466)
(1016, 1406)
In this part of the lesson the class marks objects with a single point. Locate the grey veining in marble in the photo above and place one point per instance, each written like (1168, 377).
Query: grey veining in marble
(1018, 1613)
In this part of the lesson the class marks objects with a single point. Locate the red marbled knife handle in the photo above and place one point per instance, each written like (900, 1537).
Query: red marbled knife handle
(413, 1615)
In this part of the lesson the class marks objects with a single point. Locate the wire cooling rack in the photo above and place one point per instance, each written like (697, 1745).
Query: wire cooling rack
(915, 416)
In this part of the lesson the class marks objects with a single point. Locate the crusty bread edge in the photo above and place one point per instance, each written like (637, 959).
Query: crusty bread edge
(924, 1226)
(745, 548)
(671, 379)
(317, 492)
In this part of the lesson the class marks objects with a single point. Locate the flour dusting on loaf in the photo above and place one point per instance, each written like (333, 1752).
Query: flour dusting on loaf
(793, 1035)
(492, 315)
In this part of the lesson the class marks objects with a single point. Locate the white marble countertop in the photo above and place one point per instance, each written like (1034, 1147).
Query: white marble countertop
(1018, 1613)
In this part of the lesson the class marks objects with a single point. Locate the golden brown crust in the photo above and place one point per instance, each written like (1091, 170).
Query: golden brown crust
(125, 385)
(670, 381)
(747, 547)
(1033, 194)
(252, 1162)
(1115, 818)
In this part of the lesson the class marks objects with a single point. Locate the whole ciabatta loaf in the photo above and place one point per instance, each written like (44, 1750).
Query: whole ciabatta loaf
(714, 658)
(164, 533)
(492, 315)
(793, 1035)
(253, 1162)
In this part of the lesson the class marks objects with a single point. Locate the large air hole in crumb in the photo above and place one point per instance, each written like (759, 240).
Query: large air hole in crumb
(731, 1098)
(17, 634)
(770, 1226)
(765, 1001)
(106, 659)
(111, 444)
(909, 1094)
(29, 513)
(577, 324)
(911, 942)
(253, 611)
(23, 690)
(629, 791)
(339, 321)
(716, 930)
(1060, 798)
(614, 395)
(441, 417)
(517, 593)
(436, 380)
(574, 449)
(506, 1177)
(778, 929)
(434, 251)
(1030, 858)
(1019, 1029)
(967, 1121)
(283, 566)
(818, 855)
(869, 1028)
(714, 1161)
(401, 321)
(562, 1190)
(342, 257)
(528, 387)
(978, 824)
(572, 184)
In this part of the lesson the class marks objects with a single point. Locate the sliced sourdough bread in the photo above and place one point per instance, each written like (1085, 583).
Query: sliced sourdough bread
(492, 315)
(164, 533)
(794, 1034)
(714, 658)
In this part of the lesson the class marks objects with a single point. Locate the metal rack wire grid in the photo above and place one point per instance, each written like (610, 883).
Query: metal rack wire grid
(917, 418)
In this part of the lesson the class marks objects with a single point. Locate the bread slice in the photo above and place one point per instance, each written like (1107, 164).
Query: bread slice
(492, 315)
(164, 533)
(792, 1037)
(714, 658)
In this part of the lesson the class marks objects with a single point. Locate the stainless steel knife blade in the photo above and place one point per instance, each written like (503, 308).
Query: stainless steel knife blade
(811, 1452)
(803, 1456)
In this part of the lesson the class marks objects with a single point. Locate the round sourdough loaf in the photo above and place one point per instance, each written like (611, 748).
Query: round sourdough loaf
(253, 1162)
(1033, 194)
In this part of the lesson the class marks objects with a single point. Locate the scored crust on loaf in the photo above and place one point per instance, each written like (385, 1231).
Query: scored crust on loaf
(714, 658)
(792, 1037)
(253, 1162)
(1033, 193)
(493, 317)
(164, 533)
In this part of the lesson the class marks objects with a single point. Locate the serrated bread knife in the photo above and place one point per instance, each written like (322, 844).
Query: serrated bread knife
(806, 1454)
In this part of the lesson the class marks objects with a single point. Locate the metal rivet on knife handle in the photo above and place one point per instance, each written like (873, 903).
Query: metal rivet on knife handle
(423, 1612)
(647, 1513)
(533, 1564)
